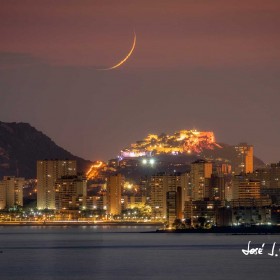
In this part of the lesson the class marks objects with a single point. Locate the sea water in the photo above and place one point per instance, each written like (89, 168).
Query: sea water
(124, 252)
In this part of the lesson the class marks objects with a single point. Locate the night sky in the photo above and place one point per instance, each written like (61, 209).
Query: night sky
(210, 65)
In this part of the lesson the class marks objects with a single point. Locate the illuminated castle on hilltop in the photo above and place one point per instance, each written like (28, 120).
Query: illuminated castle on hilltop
(184, 141)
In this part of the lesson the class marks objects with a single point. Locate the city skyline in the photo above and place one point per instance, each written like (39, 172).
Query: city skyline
(139, 139)
(210, 66)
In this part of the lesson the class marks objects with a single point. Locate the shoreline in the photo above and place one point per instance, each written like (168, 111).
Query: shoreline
(236, 230)
(233, 230)
(76, 223)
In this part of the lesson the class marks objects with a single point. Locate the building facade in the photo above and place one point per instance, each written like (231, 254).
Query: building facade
(245, 158)
(201, 171)
(115, 185)
(11, 192)
(48, 171)
(168, 193)
(70, 193)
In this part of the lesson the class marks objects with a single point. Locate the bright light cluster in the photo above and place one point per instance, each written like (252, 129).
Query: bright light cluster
(184, 141)
(94, 169)
(150, 161)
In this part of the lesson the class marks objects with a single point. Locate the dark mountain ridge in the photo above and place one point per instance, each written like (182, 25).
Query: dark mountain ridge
(21, 145)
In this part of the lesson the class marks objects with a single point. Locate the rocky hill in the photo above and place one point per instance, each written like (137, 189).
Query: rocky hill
(21, 145)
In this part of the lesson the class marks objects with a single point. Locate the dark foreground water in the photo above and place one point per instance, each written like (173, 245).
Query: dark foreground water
(125, 253)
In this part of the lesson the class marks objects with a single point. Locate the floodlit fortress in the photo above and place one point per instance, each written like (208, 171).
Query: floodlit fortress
(184, 141)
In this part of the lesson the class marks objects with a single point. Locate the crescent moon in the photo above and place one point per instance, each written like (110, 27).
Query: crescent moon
(126, 58)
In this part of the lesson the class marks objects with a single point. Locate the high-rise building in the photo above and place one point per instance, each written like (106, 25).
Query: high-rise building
(114, 194)
(158, 188)
(244, 188)
(194, 210)
(187, 187)
(70, 193)
(2, 196)
(171, 206)
(168, 195)
(275, 175)
(11, 191)
(175, 196)
(145, 186)
(263, 175)
(222, 168)
(48, 171)
(130, 202)
(269, 176)
(248, 192)
(249, 189)
(245, 158)
(96, 202)
(217, 187)
(201, 171)
(228, 190)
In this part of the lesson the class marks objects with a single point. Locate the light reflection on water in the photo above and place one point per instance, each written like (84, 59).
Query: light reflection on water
(122, 252)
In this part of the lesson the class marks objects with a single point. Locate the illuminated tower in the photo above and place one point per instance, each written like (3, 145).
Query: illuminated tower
(201, 171)
(245, 158)
(48, 171)
(114, 192)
